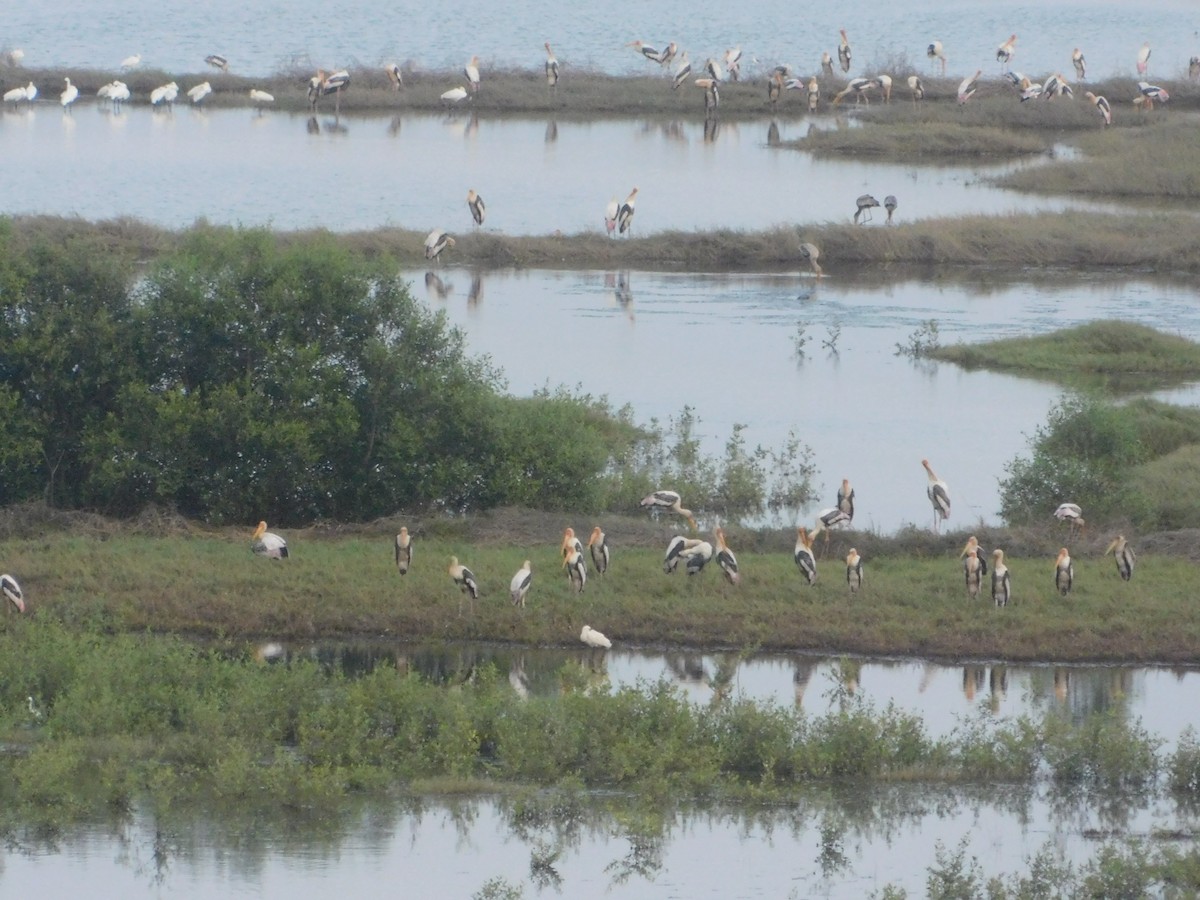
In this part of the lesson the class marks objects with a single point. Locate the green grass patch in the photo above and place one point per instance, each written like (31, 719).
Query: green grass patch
(917, 142)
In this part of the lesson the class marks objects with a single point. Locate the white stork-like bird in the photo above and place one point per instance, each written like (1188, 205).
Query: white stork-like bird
(844, 51)
(465, 579)
(598, 547)
(884, 83)
(436, 242)
(594, 638)
(199, 92)
(1071, 512)
(454, 95)
(826, 63)
(1056, 86)
(669, 500)
(683, 69)
(725, 558)
(625, 212)
(651, 53)
(674, 553)
(217, 61)
(1004, 53)
(131, 62)
(917, 87)
(935, 51)
(973, 570)
(864, 205)
(1064, 572)
(268, 544)
(696, 555)
(733, 63)
(570, 543)
(1143, 58)
(576, 568)
(14, 95)
(165, 93)
(774, 89)
(475, 204)
(1123, 554)
(471, 71)
(712, 96)
(403, 550)
(1001, 582)
(890, 203)
(806, 562)
(813, 93)
(1102, 107)
(551, 67)
(1153, 92)
(1079, 63)
(858, 87)
(395, 75)
(610, 216)
(668, 53)
(260, 98)
(69, 95)
(939, 496)
(518, 588)
(828, 519)
(973, 545)
(117, 92)
(1030, 90)
(812, 254)
(968, 86)
(12, 592)
(854, 570)
(845, 499)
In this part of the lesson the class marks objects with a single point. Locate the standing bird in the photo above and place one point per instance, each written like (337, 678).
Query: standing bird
(1056, 86)
(625, 212)
(826, 63)
(844, 51)
(917, 88)
(475, 204)
(1064, 572)
(682, 70)
(1001, 583)
(674, 553)
(12, 592)
(593, 638)
(69, 95)
(725, 558)
(518, 588)
(973, 544)
(454, 95)
(812, 254)
(854, 571)
(934, 51)
(713, 69)
(131, 62)
(774, 88)
(217, 61)
(570, 544)
(889, 203)
(806, 562)
(858, 87)
(668, 500)
(610, 217)
(1153, 93)
(16, 95)
(576, 569)
(260, 98)
(733, 63)
(199, 92)
(884, 83)
(598, 546)
(465, 579)
(1070, 512)
(1143, 58)
(968, 86)
(814, 94)
(403, 550)
(974, 570)
(864, 204)
(164, 94)
(668, 54)
(268, 544)
(1102, 107)
(712, 97)
(1123, 554)
(939, 497)
(845, 500)
(696, 555)
(436, 242)
(551, 66)
(471, 70)
(395, 76)
(1079, 63)
(1194, 68)
(1004, 53)
(651, 53)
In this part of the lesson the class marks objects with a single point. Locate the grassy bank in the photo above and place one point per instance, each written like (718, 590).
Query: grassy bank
(342, 584)
(922, 142)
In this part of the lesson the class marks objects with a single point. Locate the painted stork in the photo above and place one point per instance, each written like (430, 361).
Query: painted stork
(518, 588)
(403, 550)
(576, 568)
(475, 204)
(651, 53)
(598, 547)
(1056, 86)
(826, 63)
(217, 61)
(683, 69)
(69, 95)
(890, 204)
(858, 87)
(610, 217)
(712, 98)
(814, 94)
(329, 83)
(551, 66)
(939, 496)
(935, 51)
(828, 519)
(973, 544)
(733, 63)
(1001, 582)
(806, 562)
(1004, 53)
(845, 499)
(674, 553)
(471, 71)
(1194, 68)
(164, 94)
(1079, 63)
(12, 591)
(917, 88)
(570, 543)
(436, 242)
(465, 579)
(696, 555)
(1070, 512)
(1030, 90)
(268, 544)
(884, 83)
(625, 212)
(1064, 572)
(774, 88)
(968, 86)
(395, 76)
(725, 558)
(864, 205)
(1102, 107)
(199, 92)
(668, 500)
(973, 570)
(844, 51)
(1153, 92)
(854, 571)
(812, 254)
(1123, 554)
(1143, 58)
(593, 638)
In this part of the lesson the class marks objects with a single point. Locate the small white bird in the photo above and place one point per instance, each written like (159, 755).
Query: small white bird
(12, 591)
(131, 62)
(403, 550)
(455, 94)
(261, 97)
(268, 544)
(518, 588)
(593, 638)
(164, 94)
(199, 92)
(69, 95)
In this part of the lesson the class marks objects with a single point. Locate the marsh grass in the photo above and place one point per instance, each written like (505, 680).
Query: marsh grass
(914, 142)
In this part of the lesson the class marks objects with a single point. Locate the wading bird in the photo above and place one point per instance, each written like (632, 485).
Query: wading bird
(812, 254)
(1056, 86)
(1064, 572)
(1143, 58)
(625, 213)
(712, 98)
(551, 66)
(934, 51)
(570, 543)
(323, 84)
(889, 203)
(69, 95)
(844, 51)
(610, 217)
(725, 558)
(14, 57)
(917, 88)
(576, 570)
(713, 69)
(164, 94)
(674, 553)
(1079, 63)
(593, 638)
(217, 61)
(651, 53)
(884, 83)
(1070, 512)
(968, 86)
(454, 95)
(696, 555)
(1102, 107)
(436, 242)
(1004, 53)
(854, 570)
(117, 92)
(199, 92)
(395, 76)
(806, 562)
(518, 588)
(774, 88)
(1001, 582)
(828, 519)
(1153, 93)
(973, 544)
(1123, 554)
(475, 204)
(826, 63)
(973, 569)
(939, 496)
(858, 87)
(813, 90)
(260, 98)
(733, 63)
(12, 592)
(845, 499)
(864, 204)
(131, 62)
(268, 544)
(682, 70)
(403, 550)
(669, 500)
(598, 546)
(15, 95)
(471, 71)
(465, 579)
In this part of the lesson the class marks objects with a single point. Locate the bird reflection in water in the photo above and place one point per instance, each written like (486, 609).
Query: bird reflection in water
(1062, 684)
(551, 132)
(435, 288)
(620, 294)
(475, 294)
(312, 126)
(972, 681)
(394, 126)
(997, 687)
(471, 131)
(712, 128)
(773, 134)
(800, 679)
